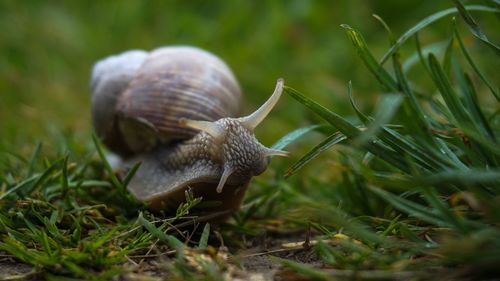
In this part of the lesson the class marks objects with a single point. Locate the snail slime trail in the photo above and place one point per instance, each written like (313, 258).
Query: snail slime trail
(175, 109)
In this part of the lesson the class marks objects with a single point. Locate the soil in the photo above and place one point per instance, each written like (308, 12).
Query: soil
(11, 269)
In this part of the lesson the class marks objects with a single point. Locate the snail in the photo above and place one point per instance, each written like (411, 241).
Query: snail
(175, 110)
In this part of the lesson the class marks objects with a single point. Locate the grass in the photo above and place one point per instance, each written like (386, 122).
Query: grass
(409, 191)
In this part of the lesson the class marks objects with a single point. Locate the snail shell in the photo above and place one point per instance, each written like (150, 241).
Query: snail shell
(174, 109)
(139, 97)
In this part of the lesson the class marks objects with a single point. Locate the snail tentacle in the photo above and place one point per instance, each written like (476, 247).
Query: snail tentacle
(253, 120)
(212, 128)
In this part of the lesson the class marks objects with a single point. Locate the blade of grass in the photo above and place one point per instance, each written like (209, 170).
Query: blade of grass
(338, 217)
(385, 111)
(308, 271)
(366, 56)
(422, 56)
(130, 174)
(64, 177)
(334, 119)
(409, 207)
(34, 158)
(471, 102)
(20, 186)
(427, 21)
(426, 158)
(349, 130)
(448, 54)
(295, 135)
(171, 241)
(462, 178)
(471, 62)
(474, 27)
(450, 97)
(360, 114)
(483, 128)
(412, 60)
(432, 198)
(402, 145)
(202, 244)
(313, 153)
(416, 120)
(107, 166)
(24, 192)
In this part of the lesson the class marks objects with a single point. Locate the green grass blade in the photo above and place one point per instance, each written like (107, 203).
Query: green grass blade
(472, 104)
(34, 158)
(350, 131)
(409, 207)
(464, 178)
(474, 27)
(334, 119)
(420, 53)
(425, 158)
(450, 97)
(308, 271)
(427, 21)
(401, 79)
(416, 120)
(432, 198)
(130, 174)
(20, 186)
(171, 241)
(491, 146)
(52, 228)
(428, 159)
(64, 177)
(392, 39)
(360, 114)
(315, 152)
(107, 166)
(295, 135)
(480, 123)
(19, 250)
(448, 54)
(203, 243)
(44, 241)
(472, 64)
(366, 56)
(385, 111)
(42, 178)
(391, 137)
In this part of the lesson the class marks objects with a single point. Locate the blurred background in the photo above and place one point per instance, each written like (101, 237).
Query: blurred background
(47, 49)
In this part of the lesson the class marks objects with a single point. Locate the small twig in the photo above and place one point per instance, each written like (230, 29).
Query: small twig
(130, 260)
(6, 256)
(167, 253)
(22, 276)
(176, 228)
(219, 236)
(149, 251)
(192, 233)
(202, 219)
(273, 252)
(139, 226)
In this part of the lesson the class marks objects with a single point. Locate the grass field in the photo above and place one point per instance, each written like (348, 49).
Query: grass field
(390, 112)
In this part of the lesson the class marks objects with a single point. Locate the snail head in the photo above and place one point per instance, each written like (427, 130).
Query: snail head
(241, 155)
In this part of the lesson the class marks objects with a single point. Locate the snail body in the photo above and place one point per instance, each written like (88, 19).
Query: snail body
(174, 109)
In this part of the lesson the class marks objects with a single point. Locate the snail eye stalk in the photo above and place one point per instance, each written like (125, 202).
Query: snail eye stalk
(253, 120)
(210, 128)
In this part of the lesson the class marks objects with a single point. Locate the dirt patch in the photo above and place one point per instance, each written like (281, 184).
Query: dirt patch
(14, 270)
